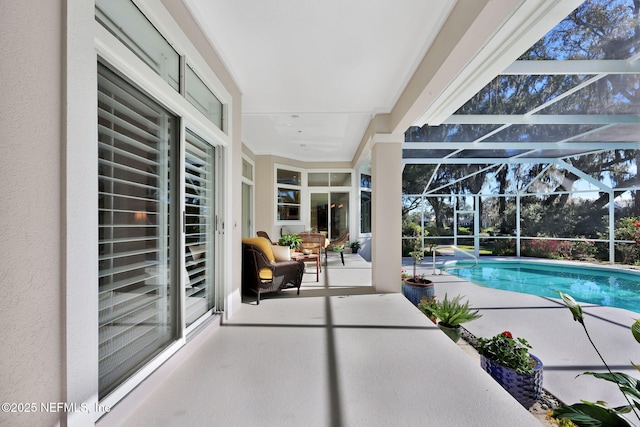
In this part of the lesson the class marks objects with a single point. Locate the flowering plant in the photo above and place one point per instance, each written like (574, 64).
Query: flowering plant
(508, 351)
(428, 306)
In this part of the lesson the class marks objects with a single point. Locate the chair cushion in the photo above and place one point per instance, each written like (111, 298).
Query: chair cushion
(265, 274)
(281, 253)
(263, 244)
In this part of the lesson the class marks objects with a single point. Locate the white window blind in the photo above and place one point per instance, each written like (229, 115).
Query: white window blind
(136, 307)
(199, 227)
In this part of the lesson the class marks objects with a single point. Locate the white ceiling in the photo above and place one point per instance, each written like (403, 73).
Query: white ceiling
(314, 73)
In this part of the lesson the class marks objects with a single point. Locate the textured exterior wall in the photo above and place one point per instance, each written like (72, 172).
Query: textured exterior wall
(31, 313)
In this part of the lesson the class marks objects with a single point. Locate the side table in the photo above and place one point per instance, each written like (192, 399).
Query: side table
(299, 256)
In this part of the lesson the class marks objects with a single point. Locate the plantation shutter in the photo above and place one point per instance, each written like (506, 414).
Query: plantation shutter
(136, 308)
(199, 229)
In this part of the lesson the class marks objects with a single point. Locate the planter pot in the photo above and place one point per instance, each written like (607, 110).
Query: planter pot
(415, 290)
(454, 333)
(525, 388)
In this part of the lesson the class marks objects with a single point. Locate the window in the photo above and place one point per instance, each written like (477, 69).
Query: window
(316, 179)
(247, 198)
(137, 299)
(125, 21)
(289, 177)
(341, 179)
(365, 203)
(365, 181)
(289, 189)
(325, 179)
(199, 95)
(247, 170)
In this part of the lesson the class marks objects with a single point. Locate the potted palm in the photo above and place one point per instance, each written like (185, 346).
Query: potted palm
(451, 313)
(416, 287)
(355, 246)
(508, 361)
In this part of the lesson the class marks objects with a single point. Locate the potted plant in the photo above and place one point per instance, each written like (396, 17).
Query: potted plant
(416, 287)
(452, 313)
(509, 362)
(292, 240)
(427, 305)
(355, 246)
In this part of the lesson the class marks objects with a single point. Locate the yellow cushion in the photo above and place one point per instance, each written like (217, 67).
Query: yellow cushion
(265, 274)
(263, 244)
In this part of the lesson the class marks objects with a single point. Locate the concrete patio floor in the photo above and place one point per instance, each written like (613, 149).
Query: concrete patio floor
(341, 355)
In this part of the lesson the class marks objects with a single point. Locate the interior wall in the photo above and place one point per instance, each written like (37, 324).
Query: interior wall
(30, 230)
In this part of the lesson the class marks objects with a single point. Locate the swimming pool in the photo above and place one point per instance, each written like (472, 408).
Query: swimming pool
(601, 286)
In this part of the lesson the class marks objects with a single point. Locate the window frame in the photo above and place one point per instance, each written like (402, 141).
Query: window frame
(299, 188)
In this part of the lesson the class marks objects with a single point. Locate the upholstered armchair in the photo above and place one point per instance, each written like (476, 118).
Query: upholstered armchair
(261, 273)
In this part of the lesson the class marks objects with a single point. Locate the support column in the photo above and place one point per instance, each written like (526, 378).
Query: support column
(386, 212)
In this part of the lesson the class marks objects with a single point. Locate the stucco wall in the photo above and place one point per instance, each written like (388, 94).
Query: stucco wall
(30, 208)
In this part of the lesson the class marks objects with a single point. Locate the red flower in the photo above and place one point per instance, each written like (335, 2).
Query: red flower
(637, 223)
(507, 334)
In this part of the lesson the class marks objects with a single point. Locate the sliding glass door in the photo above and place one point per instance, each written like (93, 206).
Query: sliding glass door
(199, 272)
(137, 299)
(146, 292)
(329, 213)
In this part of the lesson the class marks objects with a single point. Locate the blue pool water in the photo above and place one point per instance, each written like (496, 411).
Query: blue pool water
(601, 286)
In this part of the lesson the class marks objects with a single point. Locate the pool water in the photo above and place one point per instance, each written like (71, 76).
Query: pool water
(601, 286)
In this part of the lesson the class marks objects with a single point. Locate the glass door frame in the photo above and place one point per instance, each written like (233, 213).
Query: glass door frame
(328, 192)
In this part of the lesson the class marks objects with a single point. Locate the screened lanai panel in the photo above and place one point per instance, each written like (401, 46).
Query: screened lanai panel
(612, 94)
(539, 133)
(488, 153)
(554, 154)
(449, 132)
(613, 133)
(420, 154)
(598, 29)
(519, 94)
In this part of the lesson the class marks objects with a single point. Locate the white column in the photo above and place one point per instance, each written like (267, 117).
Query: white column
(386, 199)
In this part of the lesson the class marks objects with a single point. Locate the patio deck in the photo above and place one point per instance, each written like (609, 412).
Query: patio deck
(341, 355)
